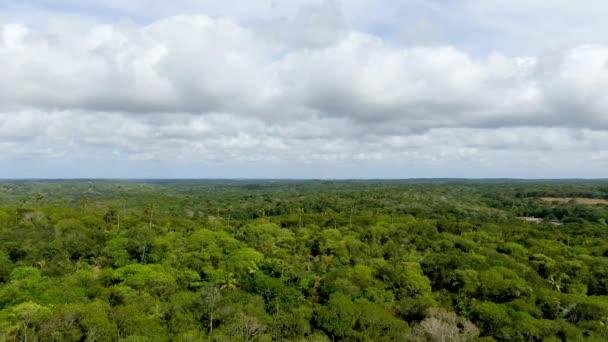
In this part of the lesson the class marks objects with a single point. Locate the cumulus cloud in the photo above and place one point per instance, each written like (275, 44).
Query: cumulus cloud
(201, 89)
(197, 64)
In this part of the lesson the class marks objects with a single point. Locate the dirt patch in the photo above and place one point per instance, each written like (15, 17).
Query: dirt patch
(579, 200)
(531, 219)
(541, 220)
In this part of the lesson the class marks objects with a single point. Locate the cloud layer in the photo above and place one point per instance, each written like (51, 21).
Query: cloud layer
(218, 93)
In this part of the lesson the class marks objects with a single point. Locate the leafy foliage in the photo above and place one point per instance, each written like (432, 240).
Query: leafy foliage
(303, 261)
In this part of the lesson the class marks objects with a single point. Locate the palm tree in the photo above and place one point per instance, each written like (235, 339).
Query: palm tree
(556, 284)
(228, 281)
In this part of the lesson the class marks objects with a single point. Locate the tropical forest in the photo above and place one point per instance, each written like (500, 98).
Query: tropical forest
(287, 260)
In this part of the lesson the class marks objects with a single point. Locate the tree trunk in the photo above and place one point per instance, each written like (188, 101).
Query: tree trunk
(210, 322)
(143, 254)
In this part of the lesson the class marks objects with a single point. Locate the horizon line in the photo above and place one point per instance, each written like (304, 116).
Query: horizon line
(292, 179)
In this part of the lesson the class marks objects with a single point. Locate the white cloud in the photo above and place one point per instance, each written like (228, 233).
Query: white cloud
(196, 64)
(196, 89)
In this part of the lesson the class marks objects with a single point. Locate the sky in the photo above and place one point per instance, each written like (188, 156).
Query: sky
(303, 89)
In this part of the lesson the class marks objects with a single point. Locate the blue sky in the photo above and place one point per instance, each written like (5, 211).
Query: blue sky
(303, 89)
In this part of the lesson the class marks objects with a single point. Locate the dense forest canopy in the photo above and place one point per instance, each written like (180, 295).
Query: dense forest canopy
(241, 260)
